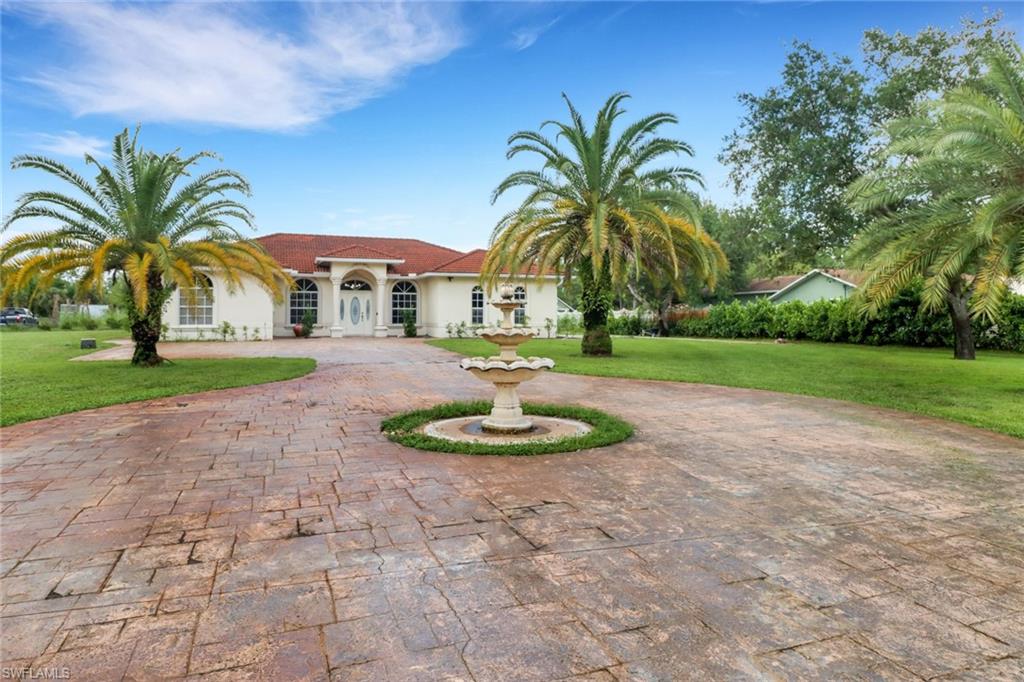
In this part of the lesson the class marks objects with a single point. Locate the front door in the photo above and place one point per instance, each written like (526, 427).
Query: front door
(355, 310)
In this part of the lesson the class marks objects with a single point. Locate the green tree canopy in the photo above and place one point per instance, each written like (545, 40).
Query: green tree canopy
(599, 206)
(949, 203)
(146, 219)
(801, 143)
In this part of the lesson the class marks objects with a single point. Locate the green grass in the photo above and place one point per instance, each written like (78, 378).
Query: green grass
(37, 380)
(607, 429)
(988, 392)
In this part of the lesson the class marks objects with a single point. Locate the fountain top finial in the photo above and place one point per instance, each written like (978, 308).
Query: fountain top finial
(506, 292)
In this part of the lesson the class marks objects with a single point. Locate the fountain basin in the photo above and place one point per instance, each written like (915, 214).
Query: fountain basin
(506, 337)
(520, 367)
(472, 430)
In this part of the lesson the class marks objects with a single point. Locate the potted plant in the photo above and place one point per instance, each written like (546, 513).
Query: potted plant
(304, 329)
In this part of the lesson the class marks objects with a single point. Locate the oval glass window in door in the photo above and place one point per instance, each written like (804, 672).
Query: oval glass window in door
(354, 311)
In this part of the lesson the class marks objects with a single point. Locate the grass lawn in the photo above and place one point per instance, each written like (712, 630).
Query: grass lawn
(988, 392)
(36, 379)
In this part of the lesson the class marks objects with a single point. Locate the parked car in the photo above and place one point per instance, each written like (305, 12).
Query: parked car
(17, 316)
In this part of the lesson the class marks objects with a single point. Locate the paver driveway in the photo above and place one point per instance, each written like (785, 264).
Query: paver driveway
(271, 532)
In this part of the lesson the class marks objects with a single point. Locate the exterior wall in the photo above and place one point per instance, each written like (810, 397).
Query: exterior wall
(450, 301)
(249, 309)
(750, 298)
(816, 288)
(440, 301)
(282, 312)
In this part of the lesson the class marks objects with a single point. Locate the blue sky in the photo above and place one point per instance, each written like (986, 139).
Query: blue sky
(392, 120)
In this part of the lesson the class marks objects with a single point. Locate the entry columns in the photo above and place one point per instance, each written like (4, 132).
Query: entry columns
(381, 328)
(336, 329)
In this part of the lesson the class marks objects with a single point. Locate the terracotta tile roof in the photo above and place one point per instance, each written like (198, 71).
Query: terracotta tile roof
(472, 262)
(360, 251)
(467, 262)
(299, 251)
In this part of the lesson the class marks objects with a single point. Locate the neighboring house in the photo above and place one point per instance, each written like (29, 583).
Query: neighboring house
(816, 285)
(358, 286)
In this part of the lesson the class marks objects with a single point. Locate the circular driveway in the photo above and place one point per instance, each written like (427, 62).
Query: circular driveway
(271, 532)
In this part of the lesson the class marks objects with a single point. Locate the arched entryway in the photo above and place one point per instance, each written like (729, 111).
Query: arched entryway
(356, 313)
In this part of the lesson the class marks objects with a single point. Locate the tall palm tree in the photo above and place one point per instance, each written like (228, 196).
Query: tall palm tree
(597, 208)
(145, 219)
(949, 207)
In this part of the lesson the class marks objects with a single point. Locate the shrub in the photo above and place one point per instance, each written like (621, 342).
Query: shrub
(307, 324)
(90, 322)
(45, 325)
(67, 321)
(626, 325)
(115, 321)
(570, 324)
(900, 323)
(409, 323)
(227, 330)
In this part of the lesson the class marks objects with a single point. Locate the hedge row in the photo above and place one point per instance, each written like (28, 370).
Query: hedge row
(899, 323)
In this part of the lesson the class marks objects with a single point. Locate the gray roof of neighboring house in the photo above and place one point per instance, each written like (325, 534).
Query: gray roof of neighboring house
(773, 285)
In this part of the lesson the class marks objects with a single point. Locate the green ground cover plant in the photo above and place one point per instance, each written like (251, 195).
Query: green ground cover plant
(607, 429)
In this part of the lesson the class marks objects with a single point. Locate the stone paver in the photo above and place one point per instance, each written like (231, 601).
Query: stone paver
(270, 532)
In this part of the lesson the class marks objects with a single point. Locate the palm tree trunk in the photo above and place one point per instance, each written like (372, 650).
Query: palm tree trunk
(595, 302)
(664, 329)
(963, 335)
(146, 327)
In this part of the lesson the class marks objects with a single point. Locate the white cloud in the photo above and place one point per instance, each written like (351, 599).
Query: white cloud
(227, 65)
(71, 143)
(525, 37)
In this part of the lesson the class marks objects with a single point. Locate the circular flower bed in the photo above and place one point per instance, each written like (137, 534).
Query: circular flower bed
(405, 428)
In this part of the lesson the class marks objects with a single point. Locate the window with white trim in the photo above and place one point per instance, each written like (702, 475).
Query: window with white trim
(520, 298)
(477, 306)
(196, 303)
(403, 297)
(305, 296)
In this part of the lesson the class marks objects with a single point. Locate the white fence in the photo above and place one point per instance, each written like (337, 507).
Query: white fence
(83, 309)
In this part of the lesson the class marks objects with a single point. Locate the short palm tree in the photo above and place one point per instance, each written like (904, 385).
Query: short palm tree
(598, 209)
(146, 220)
(949, 207)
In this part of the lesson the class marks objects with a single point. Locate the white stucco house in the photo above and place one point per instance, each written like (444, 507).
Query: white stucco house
(358, 286)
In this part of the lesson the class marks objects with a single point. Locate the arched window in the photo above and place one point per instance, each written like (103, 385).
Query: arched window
(520, 298)
(196, 303)
(403, 297)
(304, 297)
(477, 306)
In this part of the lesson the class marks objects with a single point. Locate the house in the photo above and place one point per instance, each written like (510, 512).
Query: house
(816, 285)
(358, 286)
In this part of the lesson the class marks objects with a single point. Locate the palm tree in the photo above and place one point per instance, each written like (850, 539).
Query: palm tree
(146, 220)
(597, 208)
(949, 207)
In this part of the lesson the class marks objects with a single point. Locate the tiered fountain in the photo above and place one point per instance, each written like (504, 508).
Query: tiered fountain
(506, 370)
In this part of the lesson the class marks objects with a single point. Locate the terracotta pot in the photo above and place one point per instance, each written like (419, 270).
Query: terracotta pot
(297, 328)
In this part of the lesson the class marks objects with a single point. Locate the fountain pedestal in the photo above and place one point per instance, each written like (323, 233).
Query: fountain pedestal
(507, 369)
